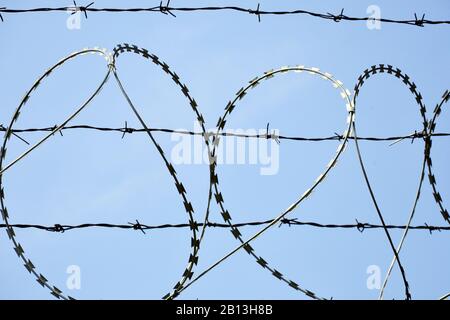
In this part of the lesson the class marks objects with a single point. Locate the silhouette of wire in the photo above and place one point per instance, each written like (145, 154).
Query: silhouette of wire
(406, 80)
(245, 244)
(195, 240)
(368, 73)
(186, 280)
(359, 226)
(41, 279)
(166, 9)
(128, 130)
(431, 177)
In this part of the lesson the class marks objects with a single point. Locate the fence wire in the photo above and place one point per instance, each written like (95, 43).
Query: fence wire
(211, 139)
(415, 19)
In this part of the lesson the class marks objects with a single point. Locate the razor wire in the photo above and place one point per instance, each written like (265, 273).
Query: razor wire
(166, 9)
(418, 97)
(214, 178)
(406, 80)
(195, 242)
(212, 140)
(40, 278)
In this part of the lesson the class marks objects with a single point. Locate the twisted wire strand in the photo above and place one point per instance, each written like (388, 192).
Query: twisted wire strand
(28, 264)
(129, 130)
(169, 10)
(359, 226)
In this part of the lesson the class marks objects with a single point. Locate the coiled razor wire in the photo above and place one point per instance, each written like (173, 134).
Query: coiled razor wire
(431, 177)
(418, 97)
(390, 70)
(187, 277)
(40, 278)
(345, 93)
(195, 241)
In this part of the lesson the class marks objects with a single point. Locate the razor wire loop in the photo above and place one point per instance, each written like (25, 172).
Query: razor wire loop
(40, 278)
(165, 9)
(389, 70)
(193, 225)
(230, 107)
(195, 240)
(431, 176)
(193, 259)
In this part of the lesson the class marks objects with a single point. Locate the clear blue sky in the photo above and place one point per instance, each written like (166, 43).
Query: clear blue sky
(92, 177)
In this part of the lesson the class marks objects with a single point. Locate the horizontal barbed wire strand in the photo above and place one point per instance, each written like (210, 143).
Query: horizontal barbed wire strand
(360, 226)
(417, 20)
(129, 130)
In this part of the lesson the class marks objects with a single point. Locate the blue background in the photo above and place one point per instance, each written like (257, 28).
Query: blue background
(86, 176)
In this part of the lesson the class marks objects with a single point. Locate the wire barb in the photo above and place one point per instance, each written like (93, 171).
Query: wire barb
(360, 226)
(83, 9)
(166, 9)
(2, 128)
(58, 228)
(337, 18)
(256, 12)
(1, 17)
(137, 226)
(419, 22)
(126, 130)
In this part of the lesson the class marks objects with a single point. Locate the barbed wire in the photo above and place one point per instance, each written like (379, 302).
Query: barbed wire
(268, 135)
(187, 279)
(166, 9)
(359, 226)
